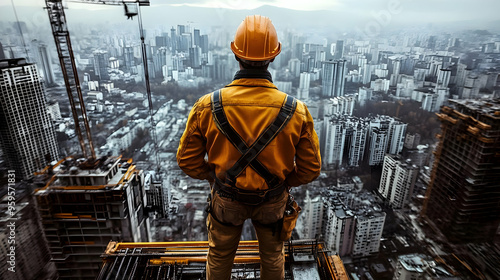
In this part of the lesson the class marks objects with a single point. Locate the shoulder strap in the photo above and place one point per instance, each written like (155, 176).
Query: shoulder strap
(250, 153)
(235, 139)
(284, 115)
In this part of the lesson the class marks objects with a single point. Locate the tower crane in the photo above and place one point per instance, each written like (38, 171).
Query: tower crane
(62, 40)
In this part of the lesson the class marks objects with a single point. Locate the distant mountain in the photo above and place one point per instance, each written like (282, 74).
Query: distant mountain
(320, 23)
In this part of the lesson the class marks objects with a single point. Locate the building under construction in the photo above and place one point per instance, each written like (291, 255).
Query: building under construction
(463, 196)
(87, 203)
(305, 259)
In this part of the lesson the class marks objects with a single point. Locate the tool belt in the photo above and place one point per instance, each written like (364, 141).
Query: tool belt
(249, 153)
(245, 196)
(290, 217)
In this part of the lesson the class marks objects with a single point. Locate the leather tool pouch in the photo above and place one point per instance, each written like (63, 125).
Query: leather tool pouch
(290, 217)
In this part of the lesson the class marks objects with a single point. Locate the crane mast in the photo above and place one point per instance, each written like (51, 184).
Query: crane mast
(62, 40)
(60, 31)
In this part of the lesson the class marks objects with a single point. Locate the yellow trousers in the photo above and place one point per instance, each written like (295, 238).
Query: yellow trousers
(224, 234)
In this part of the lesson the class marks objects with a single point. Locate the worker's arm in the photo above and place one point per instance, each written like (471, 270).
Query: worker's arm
(191, 151)
(307, 157)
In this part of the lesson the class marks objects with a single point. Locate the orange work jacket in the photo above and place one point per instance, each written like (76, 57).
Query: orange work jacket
(250, 104)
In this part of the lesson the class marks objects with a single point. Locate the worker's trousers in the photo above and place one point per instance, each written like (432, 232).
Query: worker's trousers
(224, 232)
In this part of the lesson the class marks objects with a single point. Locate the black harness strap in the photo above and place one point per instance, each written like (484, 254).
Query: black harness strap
(264, 139)
(225, 128)
(249, 154)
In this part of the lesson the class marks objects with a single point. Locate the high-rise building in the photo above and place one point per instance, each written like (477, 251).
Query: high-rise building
(369, 227)
(443, 78)
(378, 145)
(294, 67)
(412, 141)
(85, 205)
(195, 57)
(313, 211)
(339, 50)
(284, 86)
(387, 136)
(364, 94)
(396, 71)
(27, 134)
(334, 78)
(343, 105)
(196, 37)
(397, 181)
(357, 135)
(397, 133)
(304, 84)
(101, 62)
(173, 39)
(332, 142)
(161, 41)
(463, 195)
(339, 228)
(31, 259)
(204, 43)
(44, 61)
(185, 42)
(128, 58)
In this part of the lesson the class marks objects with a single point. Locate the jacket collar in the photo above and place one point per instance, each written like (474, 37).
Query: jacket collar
(252, 78)
(253, 74)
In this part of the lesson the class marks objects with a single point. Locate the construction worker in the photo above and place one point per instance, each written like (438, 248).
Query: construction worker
(253, 143)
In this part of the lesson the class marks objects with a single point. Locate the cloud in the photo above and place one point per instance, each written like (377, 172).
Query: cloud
(311, 5)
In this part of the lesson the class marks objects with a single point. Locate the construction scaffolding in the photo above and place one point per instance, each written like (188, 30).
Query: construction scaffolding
(186, 260)
(463, 193)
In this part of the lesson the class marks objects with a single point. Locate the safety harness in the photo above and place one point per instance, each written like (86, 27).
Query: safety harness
(228, 187)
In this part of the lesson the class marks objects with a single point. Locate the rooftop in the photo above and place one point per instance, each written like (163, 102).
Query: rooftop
(6, 63)
(89, 175)
(486, 107)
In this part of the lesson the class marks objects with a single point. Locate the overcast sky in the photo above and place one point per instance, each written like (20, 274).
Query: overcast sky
(338, 13)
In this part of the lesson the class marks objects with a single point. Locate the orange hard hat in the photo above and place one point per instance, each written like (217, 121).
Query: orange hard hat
(256, 39)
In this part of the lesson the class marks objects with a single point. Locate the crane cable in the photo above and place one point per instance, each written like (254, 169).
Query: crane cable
(20, 31)
(148, 89)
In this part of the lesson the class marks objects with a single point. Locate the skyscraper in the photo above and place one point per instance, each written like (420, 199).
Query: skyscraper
(101, 61)
(463, 196)
(85, 205)
(313, 211)
(397, 181)
(334, 78)
(369, 227)
(43, 59)
(27, 135)
(378, 145)
(128, 58)
(332, 142)
(339, 228)
(339, 50)
(303, 90)
(443, 78)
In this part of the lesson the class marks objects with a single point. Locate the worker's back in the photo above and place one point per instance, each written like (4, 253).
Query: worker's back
(250, 106)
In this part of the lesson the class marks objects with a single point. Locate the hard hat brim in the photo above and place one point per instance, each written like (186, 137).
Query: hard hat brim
(239, 54)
